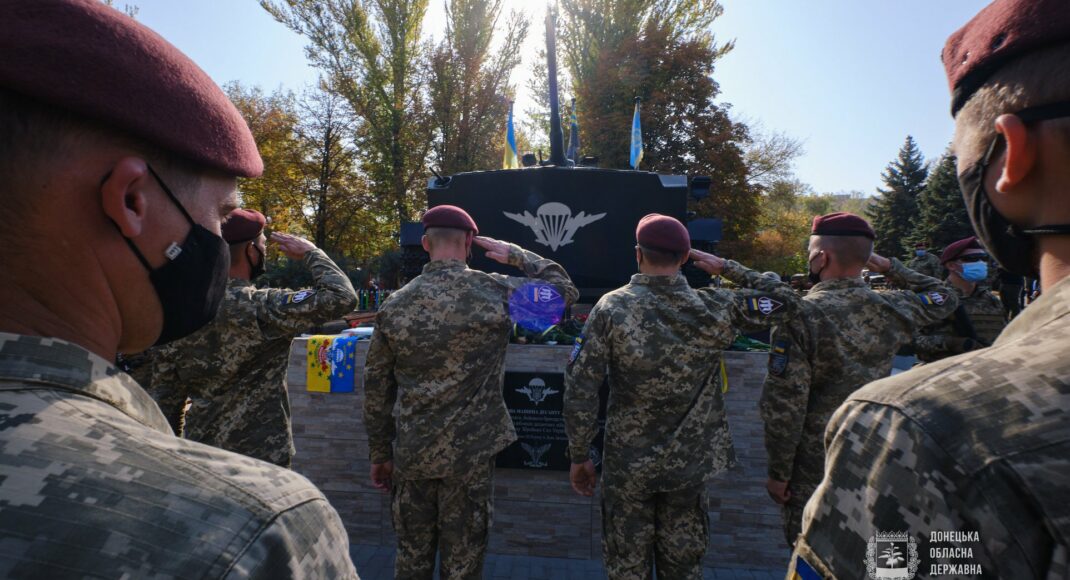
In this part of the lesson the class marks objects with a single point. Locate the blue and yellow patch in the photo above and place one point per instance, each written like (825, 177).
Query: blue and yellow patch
(933, 298)
(298, 297)
(778, 357)
(762, 304)
(804, 571)
(576, 348)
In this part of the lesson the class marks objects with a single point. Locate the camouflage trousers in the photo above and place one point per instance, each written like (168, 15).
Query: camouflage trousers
(792, 511)
(451, 516)
(670, 530)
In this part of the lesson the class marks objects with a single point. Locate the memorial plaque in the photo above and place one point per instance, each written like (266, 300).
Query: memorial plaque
(535, 402)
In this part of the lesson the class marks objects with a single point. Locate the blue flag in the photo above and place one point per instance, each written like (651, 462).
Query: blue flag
(637, 138)
(574, 137)
(511, 160)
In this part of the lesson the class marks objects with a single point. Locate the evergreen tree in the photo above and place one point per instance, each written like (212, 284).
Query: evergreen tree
(942, 216)
(896, 211)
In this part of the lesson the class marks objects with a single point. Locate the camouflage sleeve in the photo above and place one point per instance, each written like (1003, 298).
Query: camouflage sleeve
(584, 375)
(763, 303)
(307, 541)
(167, 389)
(932, 345)
(926, 300)
(536, 267)
(785, 396)
(380, 394)
(283, 312)
(884, 473)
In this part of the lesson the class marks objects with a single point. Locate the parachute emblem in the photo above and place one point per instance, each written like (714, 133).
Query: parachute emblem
(553, 223)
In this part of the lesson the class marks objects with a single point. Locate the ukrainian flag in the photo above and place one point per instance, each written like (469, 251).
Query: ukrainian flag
(637, 138)
(511, 160)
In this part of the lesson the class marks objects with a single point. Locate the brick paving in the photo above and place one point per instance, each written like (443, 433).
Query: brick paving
(377, 563)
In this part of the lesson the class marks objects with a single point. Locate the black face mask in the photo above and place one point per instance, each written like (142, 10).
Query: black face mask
(814, 277)
(256, 270)
(191, 284)
(1013, 247)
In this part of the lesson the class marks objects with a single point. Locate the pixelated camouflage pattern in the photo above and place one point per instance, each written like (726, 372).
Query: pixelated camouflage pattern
(452, 515)
(929, 264)
(940, 340)
(233, 370)
(659, 341)
(93, 484)
(671, 530)
(845, 336)
(439, 351)
(978, 442)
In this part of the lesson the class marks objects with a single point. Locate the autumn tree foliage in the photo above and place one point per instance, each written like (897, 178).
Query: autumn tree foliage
(469, 83)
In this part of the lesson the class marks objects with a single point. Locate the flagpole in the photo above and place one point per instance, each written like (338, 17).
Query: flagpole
(557, 146)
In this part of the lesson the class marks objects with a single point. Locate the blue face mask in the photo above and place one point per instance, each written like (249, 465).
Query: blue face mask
(974, 271)
(919, 253)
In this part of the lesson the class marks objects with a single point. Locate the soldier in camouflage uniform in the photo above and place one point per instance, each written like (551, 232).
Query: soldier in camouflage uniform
(925, 262)
(666, 431)
(845, 336)
(233, 370)
(99, 118)
(979, 318)
(438, 352)
(973, 452)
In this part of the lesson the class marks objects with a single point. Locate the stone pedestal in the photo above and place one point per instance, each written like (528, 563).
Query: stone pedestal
(537, 513)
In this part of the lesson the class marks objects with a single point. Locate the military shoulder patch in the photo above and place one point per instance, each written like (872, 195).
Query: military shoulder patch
(298, 297)
(778, 357)
(576, 348)
(933, 298)
(762, 304)
(804, 571)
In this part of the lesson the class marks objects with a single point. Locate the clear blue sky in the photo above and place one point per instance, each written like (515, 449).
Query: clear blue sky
(851, 78)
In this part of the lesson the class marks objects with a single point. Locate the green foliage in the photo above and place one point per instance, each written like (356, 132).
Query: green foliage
(373, 56)
(469, 84)
(894, 215)
(942, 216)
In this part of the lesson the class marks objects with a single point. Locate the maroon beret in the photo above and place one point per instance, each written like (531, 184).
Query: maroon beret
(953, 251)
(90, 59)
(243, 225)
(661, 232)
(921, 245)
(841, 223)
(1004, 30)
(449, 216)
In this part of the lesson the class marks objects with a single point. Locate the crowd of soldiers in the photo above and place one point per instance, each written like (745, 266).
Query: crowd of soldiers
(119, 159)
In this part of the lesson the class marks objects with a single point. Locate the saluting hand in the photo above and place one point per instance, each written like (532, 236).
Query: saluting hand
(878, 263)
(294, 247)
(496, 250)
(708, 263)
(382, 475)
(583, 478)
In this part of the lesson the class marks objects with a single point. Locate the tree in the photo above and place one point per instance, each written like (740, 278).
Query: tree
(537, 125)
(372, 54)
(469, 86)
(769, 156)
(942, 216)
(784, 229)
(895, 213)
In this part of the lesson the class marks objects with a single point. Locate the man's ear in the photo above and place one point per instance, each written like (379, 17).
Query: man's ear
(426, 244)
(1020, 156)
(122, 195)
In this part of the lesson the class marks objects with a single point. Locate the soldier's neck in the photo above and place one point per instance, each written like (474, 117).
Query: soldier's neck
(1054, 260)
(965, 286)
(26, 312)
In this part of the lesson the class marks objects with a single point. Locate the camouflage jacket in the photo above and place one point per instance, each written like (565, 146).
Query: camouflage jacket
(94, 484)
(929, 264)
(974, 443)
(232, 370)
(438, 351)
(659, 341)
(946, 337)
(845, 336)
